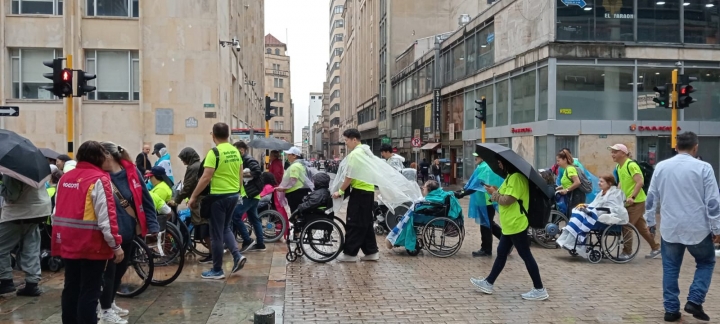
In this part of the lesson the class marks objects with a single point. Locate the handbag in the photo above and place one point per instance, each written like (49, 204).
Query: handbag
(126, 205)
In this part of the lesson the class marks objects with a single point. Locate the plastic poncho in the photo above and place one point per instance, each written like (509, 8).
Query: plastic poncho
(362, 165)
(589, 197)
(164, 162)
(483, 175)
(404, 234)
(305, 179)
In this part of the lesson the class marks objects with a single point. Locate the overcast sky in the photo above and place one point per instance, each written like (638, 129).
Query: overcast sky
(304, 26)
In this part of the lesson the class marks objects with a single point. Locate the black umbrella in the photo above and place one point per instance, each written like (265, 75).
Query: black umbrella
(270, 143)
(489, 153)
(20, 159)
(48, 153)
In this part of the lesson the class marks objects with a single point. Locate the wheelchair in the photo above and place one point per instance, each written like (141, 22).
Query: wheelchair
(317, 236)
(436, 231)
(547, 235)
(608, 241)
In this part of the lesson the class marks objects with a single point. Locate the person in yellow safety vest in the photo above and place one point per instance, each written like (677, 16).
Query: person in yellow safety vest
(161, 184)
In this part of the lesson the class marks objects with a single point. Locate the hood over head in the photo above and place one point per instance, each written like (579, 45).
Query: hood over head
(398, 157)
(321, 180)
(189, 155)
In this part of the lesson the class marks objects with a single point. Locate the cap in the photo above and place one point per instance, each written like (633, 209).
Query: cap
(475, 154)
(619, 147)
(158, 171)
(294, 151)
(157, 147)
(63, 157)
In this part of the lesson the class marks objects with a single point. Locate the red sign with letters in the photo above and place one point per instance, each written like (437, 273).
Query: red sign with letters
(634, 127)
(521, 130)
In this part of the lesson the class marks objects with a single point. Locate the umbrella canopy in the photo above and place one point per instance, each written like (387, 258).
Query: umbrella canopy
(20, 159)
(489, 153)
(48, 153)
(270, 143)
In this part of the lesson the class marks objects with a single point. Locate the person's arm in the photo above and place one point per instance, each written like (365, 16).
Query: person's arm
(190, 181)
(104, 207)
(313, 200)
(149, 208)
(11, 188)
(638, 178)
(202, 184)
(712, 199)
(651, 202)
(139, 162)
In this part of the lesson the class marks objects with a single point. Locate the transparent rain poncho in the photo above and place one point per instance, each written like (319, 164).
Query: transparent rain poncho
(362, 165)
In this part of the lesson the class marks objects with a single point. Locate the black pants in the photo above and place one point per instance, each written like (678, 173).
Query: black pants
(83, 280)
(113, 275)
(360, 234)
(295, 198)
(522, 245)
(487, 233)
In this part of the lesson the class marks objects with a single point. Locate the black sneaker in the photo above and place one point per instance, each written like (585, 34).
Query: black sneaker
(7, 286)
(257, 248)
(480, 253)
(672, 317)
(31, 289)
(696, 311)
(246, 245)
(206, 260)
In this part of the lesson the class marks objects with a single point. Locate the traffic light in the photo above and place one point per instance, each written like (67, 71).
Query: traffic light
(662, 98)
(61, 79)
(82, 83)
(270, 111)
(684, 91)
(482, 109)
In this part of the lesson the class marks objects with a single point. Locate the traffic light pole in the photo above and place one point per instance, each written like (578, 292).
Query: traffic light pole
(482, 132)
(70, 118)
(674, 102)
(267, 152)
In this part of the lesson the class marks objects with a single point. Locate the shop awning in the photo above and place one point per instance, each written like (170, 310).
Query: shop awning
(430, 146)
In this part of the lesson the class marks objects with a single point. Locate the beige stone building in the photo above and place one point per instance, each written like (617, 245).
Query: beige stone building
(337, 48)
(162, 74)
(277, 86)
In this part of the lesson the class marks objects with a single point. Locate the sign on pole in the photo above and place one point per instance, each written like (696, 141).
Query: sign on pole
(8, 111)
(415, 142)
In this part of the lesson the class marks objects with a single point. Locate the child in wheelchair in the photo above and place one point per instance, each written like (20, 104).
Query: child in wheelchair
(314, 205)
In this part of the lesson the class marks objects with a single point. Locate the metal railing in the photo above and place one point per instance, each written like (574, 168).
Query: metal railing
(277, 72)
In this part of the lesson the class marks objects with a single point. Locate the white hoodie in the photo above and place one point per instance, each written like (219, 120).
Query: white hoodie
(396, 161)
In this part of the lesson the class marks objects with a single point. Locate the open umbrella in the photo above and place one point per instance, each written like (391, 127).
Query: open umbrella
(489, 152)
(20, 159)
(48, 153)
(270, 143)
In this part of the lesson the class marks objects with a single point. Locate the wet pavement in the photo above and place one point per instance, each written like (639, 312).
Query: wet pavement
(397, 289)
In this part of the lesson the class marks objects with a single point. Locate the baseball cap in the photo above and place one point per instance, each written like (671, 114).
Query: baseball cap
(294, 151)
(63, 157)
(475, 154)
(619, 147)
(157, 147)
(158, 171)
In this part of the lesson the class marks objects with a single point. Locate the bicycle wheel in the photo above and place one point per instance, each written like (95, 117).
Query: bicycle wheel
(198, 246)
(273, 225)
(140, 270)
(168, 257)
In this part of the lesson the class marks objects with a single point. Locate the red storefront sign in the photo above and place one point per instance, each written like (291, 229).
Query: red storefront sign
(521, 130)
(634, 127)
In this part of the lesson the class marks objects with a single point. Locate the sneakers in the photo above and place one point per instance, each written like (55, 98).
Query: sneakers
(672, 317)
(121, 312)
(7, 286)
(238, 263)
(624, 257)
(653, 254)
(482, 285)
(346, 258)
(371, 257)
(535, 294)
(110, 317)
(206, 260)
(255, 248)
(696, 311)
(246, 245)
(31, 289)
(481, 253)
(212, 274)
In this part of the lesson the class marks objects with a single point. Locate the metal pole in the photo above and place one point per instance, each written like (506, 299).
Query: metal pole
(482, 132)
(267, 152)
(70, 119)
(673, 100)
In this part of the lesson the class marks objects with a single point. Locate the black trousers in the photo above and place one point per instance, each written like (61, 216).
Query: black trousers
(83, 280)
(359, 233)
(521, 241)
(487, 233)
(295, 198)
(113, 275)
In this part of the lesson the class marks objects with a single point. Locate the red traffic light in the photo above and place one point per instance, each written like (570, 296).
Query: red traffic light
(67, 75)
(686, 90)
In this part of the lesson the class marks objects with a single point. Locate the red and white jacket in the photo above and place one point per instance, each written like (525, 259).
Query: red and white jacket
(85, 223)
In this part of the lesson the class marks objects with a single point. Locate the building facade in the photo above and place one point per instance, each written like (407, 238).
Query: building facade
(305, 147)
(337, 48)
(162, 73)
(315, 107)
(561, 74)
(277, 87)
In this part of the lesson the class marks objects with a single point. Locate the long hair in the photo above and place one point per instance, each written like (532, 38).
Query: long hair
(564, 154)
(118, 152)
(268, 179)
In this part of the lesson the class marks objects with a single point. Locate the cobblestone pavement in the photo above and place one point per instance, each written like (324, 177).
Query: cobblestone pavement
(427, 289)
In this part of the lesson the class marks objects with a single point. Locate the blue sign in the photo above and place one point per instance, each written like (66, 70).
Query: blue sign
(579, 3)
(490, 38)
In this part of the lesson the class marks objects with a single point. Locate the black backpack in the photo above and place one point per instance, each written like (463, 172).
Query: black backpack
(646, 170)
(539, 208)
(206, 191)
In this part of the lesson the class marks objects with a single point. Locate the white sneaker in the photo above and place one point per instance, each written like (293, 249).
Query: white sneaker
(536, 294)
(120, 311)
(372, 257)
(346, 258)
(481, 284)
(109, 317)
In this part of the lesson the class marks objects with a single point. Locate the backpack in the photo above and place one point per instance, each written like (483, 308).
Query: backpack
(645, 169)
(206, 191)
(585, 184)
(539, 208)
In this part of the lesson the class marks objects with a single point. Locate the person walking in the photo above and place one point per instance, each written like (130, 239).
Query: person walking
(222, 173)
(250, 195)
(514, 190)
(276, 166)
(142, 161)
(85, 233)
(395, 161)
(359, 234)
(631, 182)
(424, 170)
(295, 183)
(570, 182)
(690, 216)
(437, 170)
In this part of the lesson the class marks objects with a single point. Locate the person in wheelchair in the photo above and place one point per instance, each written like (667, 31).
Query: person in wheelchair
(313, 205)
(607, 208)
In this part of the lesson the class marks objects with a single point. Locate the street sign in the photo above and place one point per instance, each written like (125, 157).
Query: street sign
(415, 142)
(8, 111)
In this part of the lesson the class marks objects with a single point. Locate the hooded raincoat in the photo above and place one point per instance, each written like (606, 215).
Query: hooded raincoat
(164, 162)
(479, 200)
(396, 161)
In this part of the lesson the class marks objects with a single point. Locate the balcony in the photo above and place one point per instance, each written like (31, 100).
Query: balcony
(277, 72)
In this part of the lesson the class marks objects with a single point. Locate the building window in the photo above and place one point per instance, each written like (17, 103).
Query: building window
(37, 7)
(277, 51)
(280, 111)
(701, 22)
(541, 158)
(337, 52)
(269, 51)
(523, 98)
(335, 94)
(543, 100)
(598, 20)
(335, 107)
(276, 67)
(279, 125)
(113, 8)
(118, 74)
(594, 93)
(278, 82)
(278, 96)
(659, 21)
(336, 80)
(27, 72)
(501, 91)
(486, 51)
(458, 61)
(319, 97)
(338, 9)
(648, 78)
(312, 97)
(567, 142)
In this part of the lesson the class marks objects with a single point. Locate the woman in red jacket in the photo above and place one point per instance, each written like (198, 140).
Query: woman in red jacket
(85, 232)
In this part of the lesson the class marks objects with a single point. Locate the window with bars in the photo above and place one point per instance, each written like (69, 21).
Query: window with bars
(118, 74)
(27, 71)
(113, 8)
(37, 7)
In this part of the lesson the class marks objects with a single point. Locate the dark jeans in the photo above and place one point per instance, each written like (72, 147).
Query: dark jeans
(522, 245)
(295, 198)
(487, 233)
(672, 257)
(360, 234)
(83, 280)
(113, 275)
(248, 206)
(221, 210)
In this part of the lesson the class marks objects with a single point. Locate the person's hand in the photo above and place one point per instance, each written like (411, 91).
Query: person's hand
(490, 189)
(563, 192)
(171, 203)
(716, 239)
(192, 203)
(279, 189)
(336, 195)
(119, 255)
(629, 201)
(558, 188)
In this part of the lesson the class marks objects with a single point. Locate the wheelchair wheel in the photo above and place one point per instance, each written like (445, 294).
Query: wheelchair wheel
(418, 248)
(614, 239)
(274, 225)
(543, 238)
(140, 270)
(321, 240)
(341, 223)
(442, 237)
(392, 219)
(169, 263)
(184, 233)
(594, 256)
(198, 246)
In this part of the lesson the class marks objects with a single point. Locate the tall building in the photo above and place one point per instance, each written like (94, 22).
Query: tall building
(337, 41)
(320, 129)
(315, 107)
(163, 74)
(305, 148)
(277, 86)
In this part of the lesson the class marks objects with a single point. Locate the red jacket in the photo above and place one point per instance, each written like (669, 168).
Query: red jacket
(276, 168)
(85, 224)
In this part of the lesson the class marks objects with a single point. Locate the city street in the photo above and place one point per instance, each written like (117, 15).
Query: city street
(399, 288)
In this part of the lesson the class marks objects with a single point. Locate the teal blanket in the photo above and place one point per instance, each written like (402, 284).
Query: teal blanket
(407, 236)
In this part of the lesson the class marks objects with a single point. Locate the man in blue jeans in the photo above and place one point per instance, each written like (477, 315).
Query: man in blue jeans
(690, 216)
(222, 170)
(250, 195)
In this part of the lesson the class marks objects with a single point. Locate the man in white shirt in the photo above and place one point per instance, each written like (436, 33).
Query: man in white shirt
(690, 213)
(395, 161)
